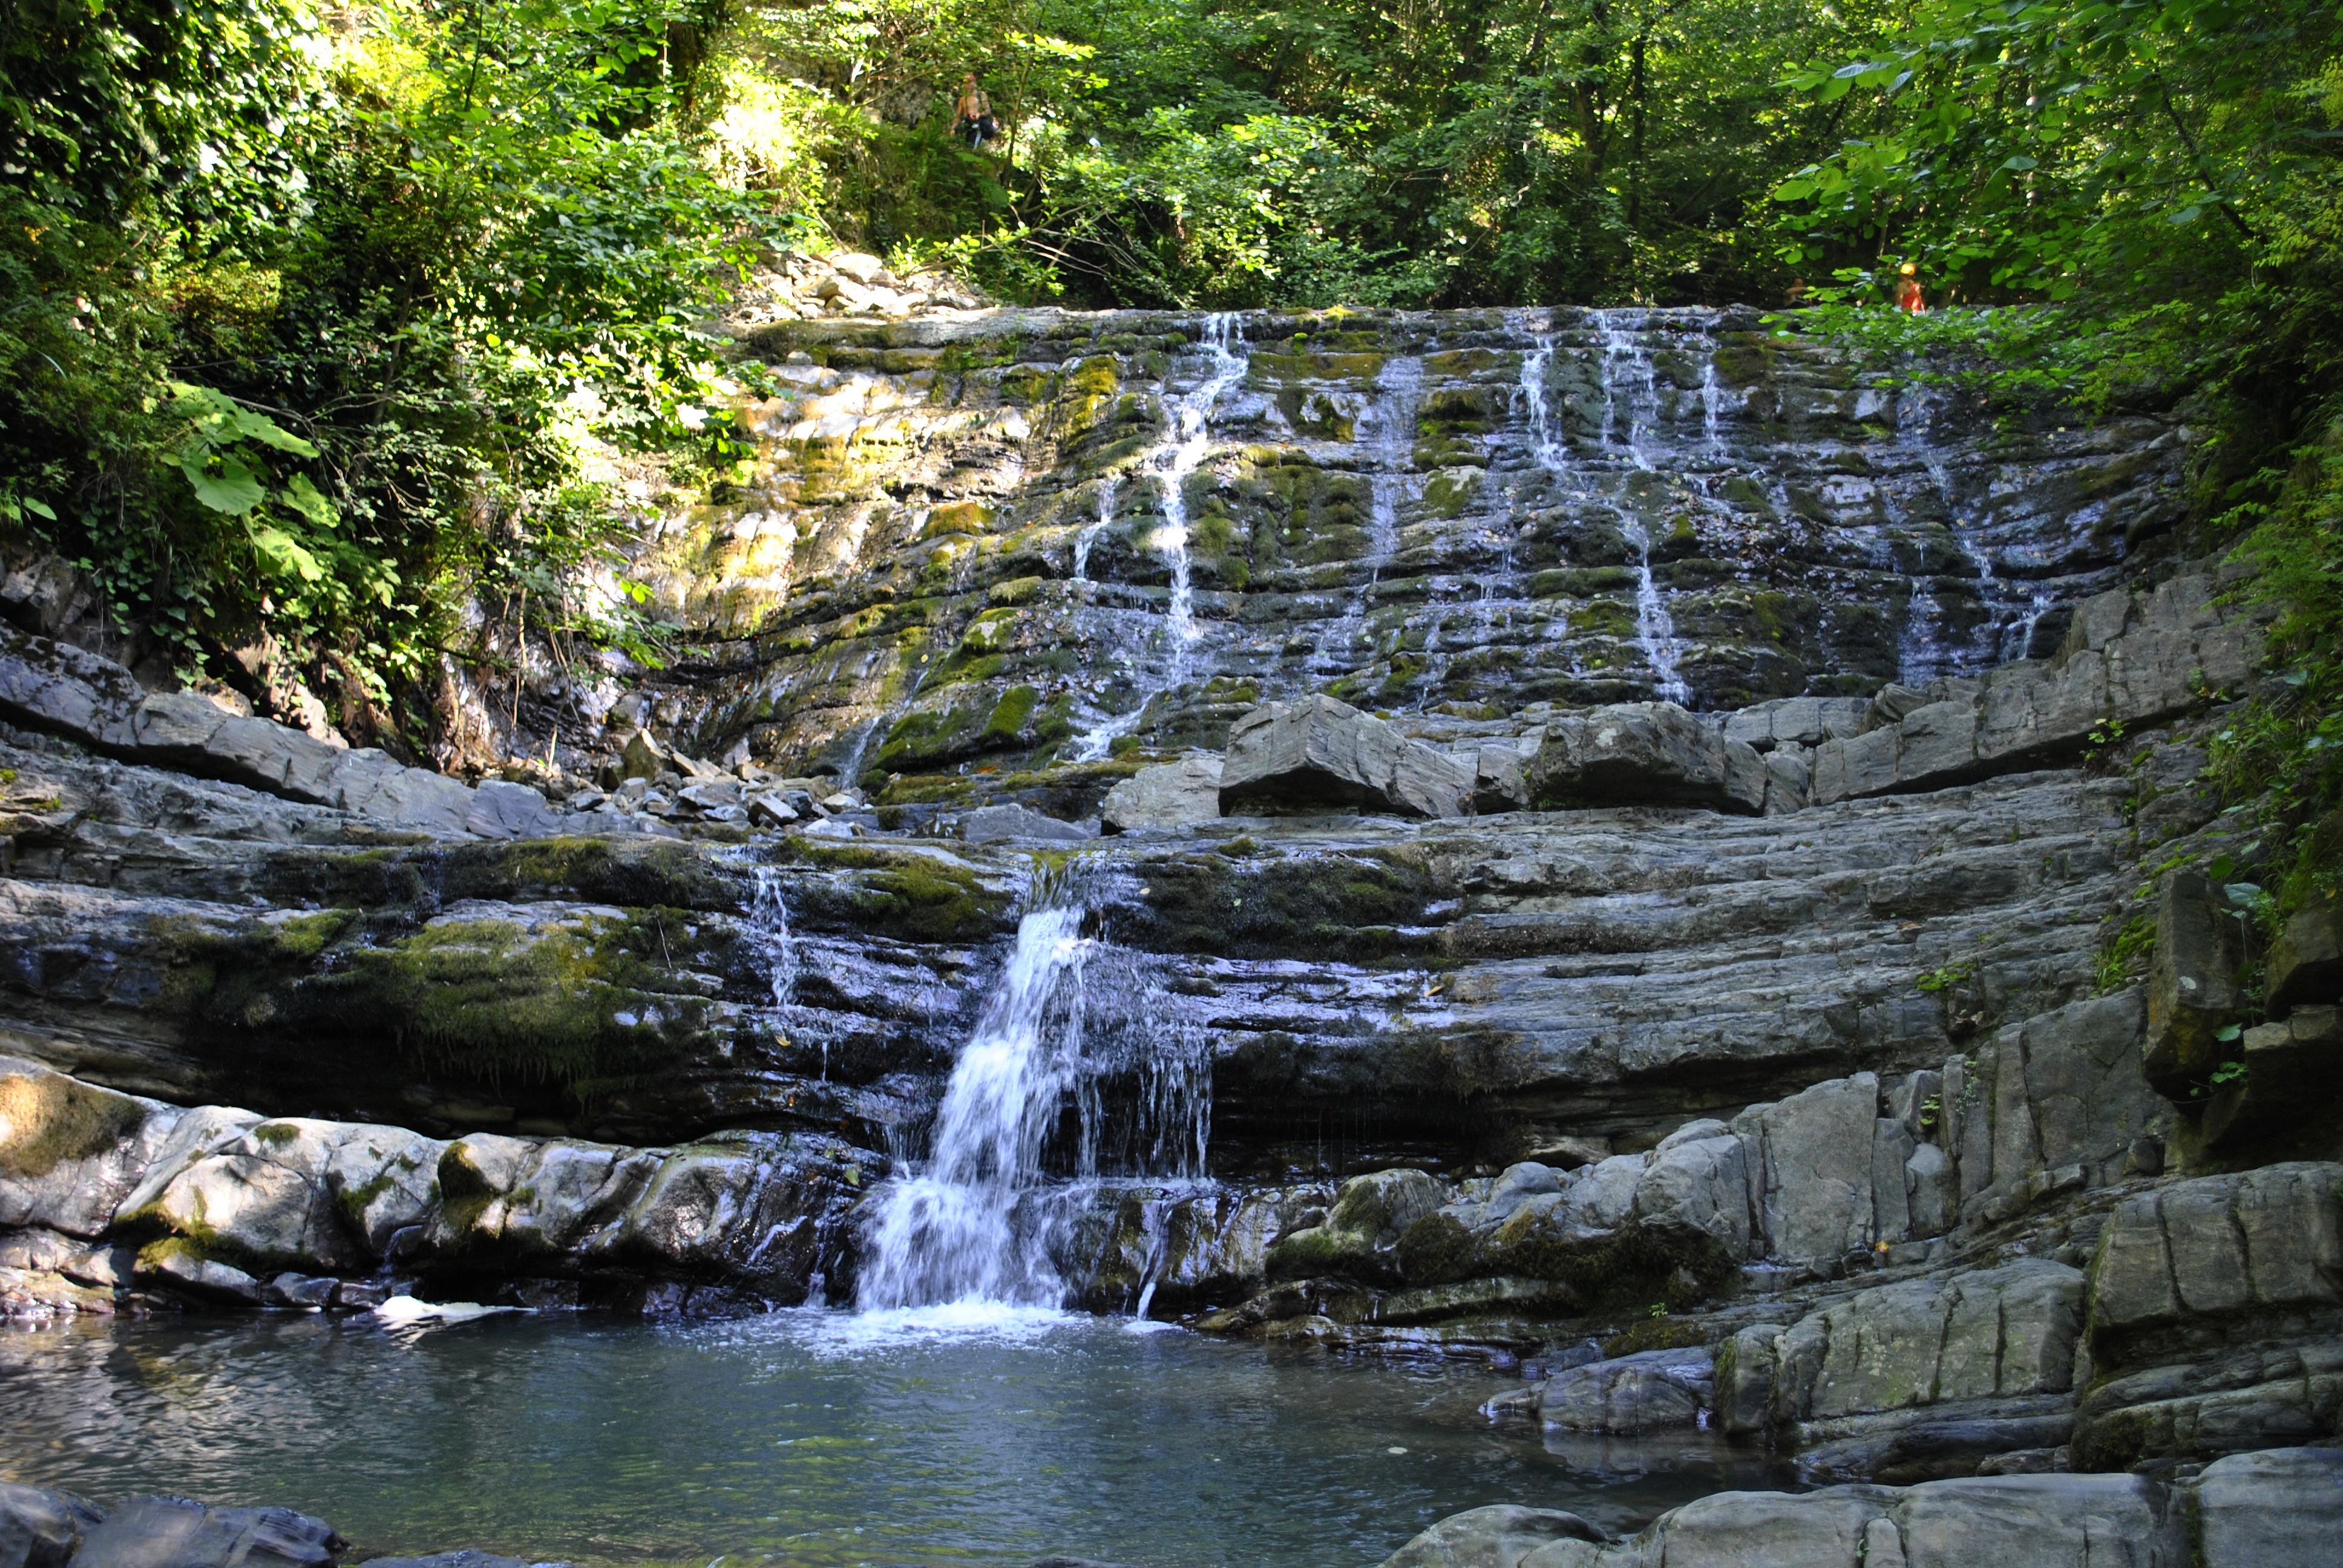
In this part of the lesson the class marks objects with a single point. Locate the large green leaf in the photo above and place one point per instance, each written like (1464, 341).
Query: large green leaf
(234, 488)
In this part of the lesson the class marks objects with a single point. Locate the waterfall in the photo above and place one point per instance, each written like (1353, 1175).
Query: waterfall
(1070, 1015)
(1178, 455)
(1628, 379)
(769, 932)
(1088, 536)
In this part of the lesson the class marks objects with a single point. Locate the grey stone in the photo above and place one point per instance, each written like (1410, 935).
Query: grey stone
(1168, 795)
(203, 1277)
(1628, 1395)
(1497, 1537)
(299, 1291)
(57, 686)
(1698, 1189)
(2282, 1508)
(70, 1151)
(2306, 962)
(41, 1529)
(2052, 1520)
(173, 1533)
(471, 1557)
(2192, 988)
(506, 810)
(1320, 753)
(1745, 1366)
(1645, 753)
(997, 824)
(1816, 1180)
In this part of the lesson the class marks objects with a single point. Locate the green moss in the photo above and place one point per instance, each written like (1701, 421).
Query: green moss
(1010, 715)
(1016, 590)
(276, 1134)
(1449, 491)
(52, 1120)
(1658, 1334)
(897, 893)
(1437, 1250)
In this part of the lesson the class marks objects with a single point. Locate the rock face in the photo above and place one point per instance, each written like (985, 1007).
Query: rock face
(236, 1199)
(1320, 754)
(1637, 828)
(57, 688)
(2276, 1509)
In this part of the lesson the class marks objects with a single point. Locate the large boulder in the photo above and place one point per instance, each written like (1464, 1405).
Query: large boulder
(1983, 1522)
(70, 1151)
(1320, 754)
(173, 1533)
(1644, 754)
(1500, 1535)
(1651, 1390)
(1925, 1376)
(2217, 1318)
(41, 1529)
(2282, 1508)
(1170, 795)
(1361, 1231)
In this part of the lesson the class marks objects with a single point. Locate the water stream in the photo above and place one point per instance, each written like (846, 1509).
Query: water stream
(1066, 1033)
(1187, 438)
(1630, 387)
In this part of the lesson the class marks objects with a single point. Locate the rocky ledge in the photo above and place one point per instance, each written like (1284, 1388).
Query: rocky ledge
(2278, 1508)
(57, 1529)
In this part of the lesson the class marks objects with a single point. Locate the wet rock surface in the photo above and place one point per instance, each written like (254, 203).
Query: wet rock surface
(2272, 1508)
(1610, 843)
(55, 1530)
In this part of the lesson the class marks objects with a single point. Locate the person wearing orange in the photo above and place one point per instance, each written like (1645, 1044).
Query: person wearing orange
(1908, 296)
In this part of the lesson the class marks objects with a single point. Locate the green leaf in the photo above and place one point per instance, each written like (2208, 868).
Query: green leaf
(283, 552)
(305, 499)
(262, 428)
(234, 489)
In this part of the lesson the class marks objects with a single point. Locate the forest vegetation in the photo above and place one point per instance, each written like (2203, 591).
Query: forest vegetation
(319, 326)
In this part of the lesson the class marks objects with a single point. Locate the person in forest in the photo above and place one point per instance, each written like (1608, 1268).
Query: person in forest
(972, 117)
(1909, 297)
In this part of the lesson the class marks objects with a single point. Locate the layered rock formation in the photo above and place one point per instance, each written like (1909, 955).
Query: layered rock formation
(1648, 833)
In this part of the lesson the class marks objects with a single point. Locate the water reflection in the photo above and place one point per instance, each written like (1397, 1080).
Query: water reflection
(805, 1438)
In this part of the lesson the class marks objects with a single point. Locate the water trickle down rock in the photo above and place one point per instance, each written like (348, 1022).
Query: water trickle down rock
(1404, 509)
(1186, 444)
(1065, 1024)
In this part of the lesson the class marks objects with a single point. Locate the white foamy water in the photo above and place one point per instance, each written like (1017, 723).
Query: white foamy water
(1187, 438)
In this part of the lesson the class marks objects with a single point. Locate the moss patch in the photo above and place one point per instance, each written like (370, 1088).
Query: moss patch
(51, 1119)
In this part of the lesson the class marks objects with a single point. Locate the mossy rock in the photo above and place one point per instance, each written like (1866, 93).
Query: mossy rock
(52, 1121)
(1349, 904)
(907, 894)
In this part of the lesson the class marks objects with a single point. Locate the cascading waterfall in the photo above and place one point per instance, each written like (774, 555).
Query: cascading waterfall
(769, 930)
(1088, 536)
(1399, 387)
(1170, 462)
(1625, 368)
(973, 1224)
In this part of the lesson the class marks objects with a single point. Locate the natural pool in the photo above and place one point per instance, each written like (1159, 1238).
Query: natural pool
(806, 1437)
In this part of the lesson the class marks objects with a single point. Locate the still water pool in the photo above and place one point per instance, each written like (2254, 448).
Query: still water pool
(805, 1438)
